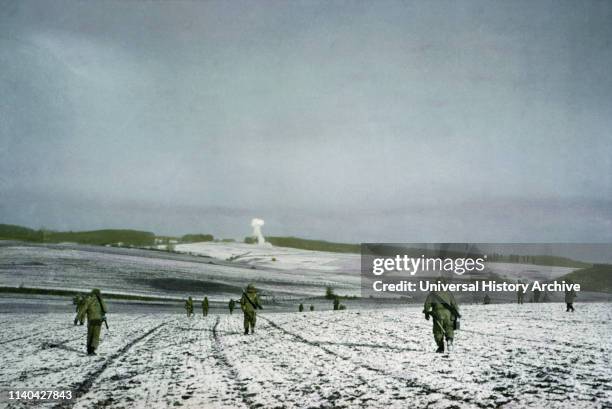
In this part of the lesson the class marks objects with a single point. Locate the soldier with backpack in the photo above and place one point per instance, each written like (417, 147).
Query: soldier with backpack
(249, 303)
(95, 310)
(442, 308)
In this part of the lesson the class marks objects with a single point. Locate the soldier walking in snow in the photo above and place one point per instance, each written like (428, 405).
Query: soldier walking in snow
(301, 307)
(311, 307)
(231, 305)
(570, 296)
(442, 307)
(205, 306)
(76, 300)
(249, 303)
(520, 294)
(189, 307)
(79, 301)
(336, 303)
(536, 295)
(95, 311)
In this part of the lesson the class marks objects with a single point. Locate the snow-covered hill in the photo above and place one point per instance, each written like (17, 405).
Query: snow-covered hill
(146, 272)
(218, 270)
(269, 256)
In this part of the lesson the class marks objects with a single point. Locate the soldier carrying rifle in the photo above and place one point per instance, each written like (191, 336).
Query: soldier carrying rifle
(520, 294)
(205, 306)
(249, 303)
(442, 307)
(189, 307)
(79, 301)
(95, 310)
(570, 296)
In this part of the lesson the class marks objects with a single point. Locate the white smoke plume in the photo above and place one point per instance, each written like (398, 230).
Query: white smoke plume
(256, 225)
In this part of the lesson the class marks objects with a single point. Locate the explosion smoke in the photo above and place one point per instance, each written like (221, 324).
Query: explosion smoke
(256, 224)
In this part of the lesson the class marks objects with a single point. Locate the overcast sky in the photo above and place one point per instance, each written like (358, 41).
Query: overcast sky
(351, 121)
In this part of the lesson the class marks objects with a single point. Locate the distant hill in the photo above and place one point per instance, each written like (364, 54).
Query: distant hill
(453, 251)
(196, 238)
(597, 278)
(13, 232)
(101, 237)
(98, 237)
(315, 245)
(541, 260)
(143, 238)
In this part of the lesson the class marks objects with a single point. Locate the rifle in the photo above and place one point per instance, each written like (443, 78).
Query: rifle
(251, 302)
(451, 308)
(446, 305)
(103, 311)
(435, 320)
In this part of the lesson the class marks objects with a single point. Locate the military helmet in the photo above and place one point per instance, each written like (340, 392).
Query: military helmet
(96, 291)
(251, 288)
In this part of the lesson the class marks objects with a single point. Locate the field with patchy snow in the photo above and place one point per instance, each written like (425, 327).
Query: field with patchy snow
(155, 273)
(219, 270)
(507, 356)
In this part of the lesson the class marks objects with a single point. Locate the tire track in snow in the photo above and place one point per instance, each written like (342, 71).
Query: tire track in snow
(60, 344)
(410, 382)
(364, 344)
(537, 341)
(18, 338)
(530, 365)
(35, 335)
(283, 388)
(534, 367)
(550, 343)
(219, 354)
(82, 388)
(30, 374)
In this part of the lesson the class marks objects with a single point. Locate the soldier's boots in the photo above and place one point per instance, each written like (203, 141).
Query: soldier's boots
(91, 351)
(440, 349)
(246, 331)
(449, 345)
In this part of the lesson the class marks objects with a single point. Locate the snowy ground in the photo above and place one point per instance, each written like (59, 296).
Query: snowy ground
(507, 356)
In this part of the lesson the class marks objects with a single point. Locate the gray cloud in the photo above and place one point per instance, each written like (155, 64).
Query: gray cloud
(390, 121)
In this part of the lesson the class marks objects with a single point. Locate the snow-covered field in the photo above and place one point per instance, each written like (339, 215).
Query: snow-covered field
(294, 273)
(310, 262)
(144, 272)
(507, 356)
(270, 256)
